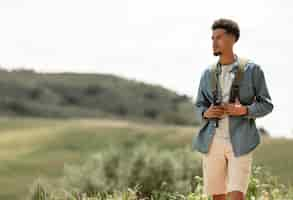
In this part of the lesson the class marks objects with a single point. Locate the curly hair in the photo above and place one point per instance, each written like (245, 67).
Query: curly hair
(229, 25)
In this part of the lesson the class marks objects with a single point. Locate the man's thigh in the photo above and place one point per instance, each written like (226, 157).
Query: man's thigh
(214, 165)
(239, 171)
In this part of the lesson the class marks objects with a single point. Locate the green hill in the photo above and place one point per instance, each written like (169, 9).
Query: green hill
(27, 93)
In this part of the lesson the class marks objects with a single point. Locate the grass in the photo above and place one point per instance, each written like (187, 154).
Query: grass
(277, 155)
(35, 147)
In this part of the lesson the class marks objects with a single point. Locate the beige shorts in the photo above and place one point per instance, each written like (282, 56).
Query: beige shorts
(222, 171)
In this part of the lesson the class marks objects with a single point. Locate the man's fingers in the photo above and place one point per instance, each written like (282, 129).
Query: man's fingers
(230, 112)
(231, 107)
(218, 108)
(214, 113)
(217, 111)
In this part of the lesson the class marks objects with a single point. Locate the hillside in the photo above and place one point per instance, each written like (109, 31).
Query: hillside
(27, 93)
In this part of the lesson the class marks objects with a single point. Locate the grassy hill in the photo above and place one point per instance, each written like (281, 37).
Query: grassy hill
(32, 148)
(26, 93)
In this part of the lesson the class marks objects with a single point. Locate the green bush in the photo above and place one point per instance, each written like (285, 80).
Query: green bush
(142, 166)
(144, 172)
(263, 183)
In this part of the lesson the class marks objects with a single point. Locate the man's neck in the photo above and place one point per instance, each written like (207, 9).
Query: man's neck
(227, 59)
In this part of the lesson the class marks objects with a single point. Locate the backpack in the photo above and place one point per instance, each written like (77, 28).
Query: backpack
(234, 92)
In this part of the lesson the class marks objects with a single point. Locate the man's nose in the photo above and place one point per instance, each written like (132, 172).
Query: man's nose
(214, 44)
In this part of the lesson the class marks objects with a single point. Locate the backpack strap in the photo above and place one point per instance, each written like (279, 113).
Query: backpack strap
(234, 92)
(240, 71)
(214, 77)
(215, 71)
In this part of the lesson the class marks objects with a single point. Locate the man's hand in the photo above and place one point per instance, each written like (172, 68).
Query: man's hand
(235, 109)
(214, 112)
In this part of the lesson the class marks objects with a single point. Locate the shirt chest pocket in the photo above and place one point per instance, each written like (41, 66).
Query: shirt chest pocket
(246, 93)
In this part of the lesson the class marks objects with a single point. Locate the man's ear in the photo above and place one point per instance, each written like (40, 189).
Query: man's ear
(234, 39)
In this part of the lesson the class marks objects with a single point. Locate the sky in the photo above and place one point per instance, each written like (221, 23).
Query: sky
(165, 42)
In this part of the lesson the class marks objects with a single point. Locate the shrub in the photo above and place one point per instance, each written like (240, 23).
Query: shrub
(147, 173)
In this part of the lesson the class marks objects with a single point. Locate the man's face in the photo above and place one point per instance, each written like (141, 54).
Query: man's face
(221, 41)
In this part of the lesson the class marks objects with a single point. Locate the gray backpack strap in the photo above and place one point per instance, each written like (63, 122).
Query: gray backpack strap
(214, 84)
(215, 88)
(236, 83)
(214, 77)
(240, 71)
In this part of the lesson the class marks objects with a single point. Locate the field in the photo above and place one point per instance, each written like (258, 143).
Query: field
(35, 147)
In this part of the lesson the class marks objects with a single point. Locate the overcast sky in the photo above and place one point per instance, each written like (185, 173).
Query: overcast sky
(166, 42)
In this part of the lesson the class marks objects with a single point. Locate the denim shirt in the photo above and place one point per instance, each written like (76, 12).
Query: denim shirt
(253, 93)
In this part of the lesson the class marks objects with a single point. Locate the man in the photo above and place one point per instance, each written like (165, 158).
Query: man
(228, 135)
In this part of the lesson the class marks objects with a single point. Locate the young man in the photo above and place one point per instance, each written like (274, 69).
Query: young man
(228, 135)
